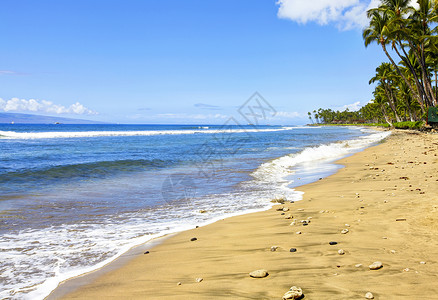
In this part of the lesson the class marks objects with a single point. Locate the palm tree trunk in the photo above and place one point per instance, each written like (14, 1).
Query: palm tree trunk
(385, 115)
(430, 97)
(391, 101)
(403, 76)
(436, 85)
(420, 88)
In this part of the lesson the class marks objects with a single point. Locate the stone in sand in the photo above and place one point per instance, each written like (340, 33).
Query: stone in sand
(376, 265)
(293, 293)
(333, 243)
(274, 248)
(259, 273)
(293, 250)
(179, 283)
(344, 231)
(285, 209)
(289, 216)
(199, 279)
(193, 239)
(369, 295)
(147, 252)
(341, 252)
(358, 265)
(298, 232)
(202, 211)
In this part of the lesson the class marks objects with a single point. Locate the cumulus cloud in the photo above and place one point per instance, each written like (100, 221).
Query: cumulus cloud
(43, 106)
(352, 107)
(345, 14)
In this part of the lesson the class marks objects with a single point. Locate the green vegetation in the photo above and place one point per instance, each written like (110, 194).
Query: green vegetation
(408, 125)
(405, 90)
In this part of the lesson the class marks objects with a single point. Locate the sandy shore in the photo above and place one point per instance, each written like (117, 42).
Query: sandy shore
(388, 197)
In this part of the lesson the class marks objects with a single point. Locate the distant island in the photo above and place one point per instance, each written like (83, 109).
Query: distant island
(15, 118)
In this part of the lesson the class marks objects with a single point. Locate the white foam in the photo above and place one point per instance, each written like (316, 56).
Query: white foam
(279, 169)
(81, 134)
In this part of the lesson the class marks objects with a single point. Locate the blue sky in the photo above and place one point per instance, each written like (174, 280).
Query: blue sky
(182, 61)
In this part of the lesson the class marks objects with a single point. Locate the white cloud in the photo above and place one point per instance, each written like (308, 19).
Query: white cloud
(352, 107)
(43, 106)
(287, 114)
(345, 14)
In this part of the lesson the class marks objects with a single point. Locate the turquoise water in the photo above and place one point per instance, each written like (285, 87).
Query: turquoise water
(73, 197)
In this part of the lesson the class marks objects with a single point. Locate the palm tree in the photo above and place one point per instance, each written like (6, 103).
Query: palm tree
(310, 117)
(379, 30)
(380, 100)
(386, 77)
(420, 39)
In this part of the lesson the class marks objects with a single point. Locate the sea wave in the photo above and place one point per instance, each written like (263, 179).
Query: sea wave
(279, 169)
(84, 170)
(82, 134)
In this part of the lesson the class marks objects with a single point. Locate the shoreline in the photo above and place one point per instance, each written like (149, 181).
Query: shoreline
(299, 178)
(184, 255)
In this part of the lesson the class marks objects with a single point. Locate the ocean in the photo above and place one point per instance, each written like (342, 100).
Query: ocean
(75, 197)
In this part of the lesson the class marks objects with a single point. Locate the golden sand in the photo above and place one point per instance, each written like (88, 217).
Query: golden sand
(387, 194)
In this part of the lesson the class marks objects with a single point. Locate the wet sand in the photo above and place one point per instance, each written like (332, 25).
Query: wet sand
(388, 197)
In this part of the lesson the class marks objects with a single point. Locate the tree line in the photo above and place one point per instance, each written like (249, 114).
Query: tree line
(406, 86)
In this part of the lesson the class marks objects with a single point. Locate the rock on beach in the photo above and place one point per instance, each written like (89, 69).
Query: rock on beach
(293, 293)
(376, 265)
(259, 273)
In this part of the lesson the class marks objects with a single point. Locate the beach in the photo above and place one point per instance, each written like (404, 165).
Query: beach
(385, 197)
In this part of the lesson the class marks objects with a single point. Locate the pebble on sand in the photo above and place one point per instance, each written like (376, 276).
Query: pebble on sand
(293, 250)
(179, 283)
(147, 252)
(293, 293)
(274, 248)
(259, 273)
(358, 265)
(344, 231)
(333, 243)
(369, 295)
(341, 252)
(199, 279)
(288, 216)
(376, 265)
(285, 209)
(193, 239)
